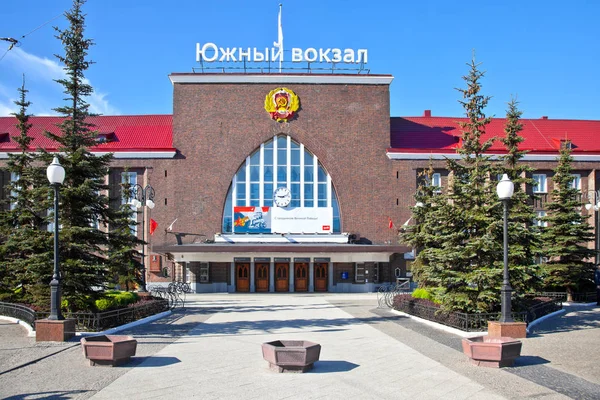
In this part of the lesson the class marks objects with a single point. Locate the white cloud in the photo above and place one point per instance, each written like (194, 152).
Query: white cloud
(44, 93)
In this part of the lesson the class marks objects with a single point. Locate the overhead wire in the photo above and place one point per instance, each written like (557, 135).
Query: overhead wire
(17, 42)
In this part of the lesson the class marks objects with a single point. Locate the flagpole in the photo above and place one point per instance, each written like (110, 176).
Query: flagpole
(279, 43)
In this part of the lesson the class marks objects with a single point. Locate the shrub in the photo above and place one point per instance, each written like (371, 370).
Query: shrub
(105, 304)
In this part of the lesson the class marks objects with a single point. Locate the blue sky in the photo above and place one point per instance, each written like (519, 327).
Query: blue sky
(547, 53)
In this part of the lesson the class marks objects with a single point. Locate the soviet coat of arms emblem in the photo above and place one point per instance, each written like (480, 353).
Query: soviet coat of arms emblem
(282, 104)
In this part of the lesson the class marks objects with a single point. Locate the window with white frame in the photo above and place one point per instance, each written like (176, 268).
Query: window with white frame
(435, 181)
(540, 185)
(281, 162)
(131, 179)
(576, 182)
(538, 219)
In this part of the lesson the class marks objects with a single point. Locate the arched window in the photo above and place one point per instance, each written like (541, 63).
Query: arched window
(281, 162)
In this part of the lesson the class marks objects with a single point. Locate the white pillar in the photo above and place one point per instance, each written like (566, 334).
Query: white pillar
(252, 288)
(272, 276)
(311, 276)
(232, 274)
(330, 277)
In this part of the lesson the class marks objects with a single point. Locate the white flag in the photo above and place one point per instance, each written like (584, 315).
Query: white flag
(279, 42)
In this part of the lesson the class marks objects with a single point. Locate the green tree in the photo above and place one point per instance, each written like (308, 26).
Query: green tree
(84, 208)
(524, 239)
(423, 234)
(568, 232)
(26, 268)
(459, 231)
(123, 257)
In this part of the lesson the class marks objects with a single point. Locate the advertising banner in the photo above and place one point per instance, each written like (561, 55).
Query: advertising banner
(251, 220)
(301, 220)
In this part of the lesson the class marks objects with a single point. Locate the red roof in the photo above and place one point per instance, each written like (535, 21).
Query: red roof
(442, 134)
(143, 133)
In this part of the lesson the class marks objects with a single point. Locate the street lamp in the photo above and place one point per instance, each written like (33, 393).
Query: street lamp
(143, 197)
(56, 176)
(505, 190)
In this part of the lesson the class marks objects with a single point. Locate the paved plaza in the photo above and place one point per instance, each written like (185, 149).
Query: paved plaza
(211, 349)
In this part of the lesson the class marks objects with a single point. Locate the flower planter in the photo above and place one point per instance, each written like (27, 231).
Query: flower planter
(108, 349)
(487, 351)
(291, 355)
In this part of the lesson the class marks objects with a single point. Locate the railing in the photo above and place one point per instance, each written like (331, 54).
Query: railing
(19, 312)
(474, 322)
(94, 322)
(577, 297)
(174, 294)
(387, 292)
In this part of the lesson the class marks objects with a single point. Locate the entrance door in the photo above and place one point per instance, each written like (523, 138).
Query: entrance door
(301, 277)
(282, 281)
(262, 277)
(321, 277)
(242, 277)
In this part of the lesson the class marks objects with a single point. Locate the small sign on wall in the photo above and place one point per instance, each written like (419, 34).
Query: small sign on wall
(345, 275)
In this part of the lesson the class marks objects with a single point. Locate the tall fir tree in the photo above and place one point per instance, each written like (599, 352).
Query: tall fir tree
(84, 208)
(465, 218)
(25, 241)
(422, 235)
(568, 232)
(123, 257)
(524, 240)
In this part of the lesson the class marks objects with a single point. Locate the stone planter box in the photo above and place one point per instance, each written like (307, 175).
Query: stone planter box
(487, 351)
(108, 349)
(291, 355)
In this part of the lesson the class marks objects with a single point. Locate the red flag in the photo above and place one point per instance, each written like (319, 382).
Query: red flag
(390, 223)
(153, 226)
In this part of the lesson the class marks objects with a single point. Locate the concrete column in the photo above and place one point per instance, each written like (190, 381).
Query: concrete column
(330, 277)
(272, 277)
(291, 276)
(311, 276)
(232, 274)
(252, 288)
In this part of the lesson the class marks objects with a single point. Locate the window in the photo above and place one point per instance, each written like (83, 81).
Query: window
(576, 182)
(436, 181)
(203, 274)
(281, 162)
(538, 219)
(539, 185)
(541, 260)
(131, 179)
(359, 273)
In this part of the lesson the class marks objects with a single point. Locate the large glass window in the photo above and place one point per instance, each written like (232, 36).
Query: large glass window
(276, 163)
(539, 185)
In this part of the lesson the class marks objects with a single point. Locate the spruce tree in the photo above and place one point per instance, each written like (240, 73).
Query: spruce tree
(26, 269)
(463, 247)
(423, 234)
(568, 232)
(524, 241)
(84, 207)
(123, 257)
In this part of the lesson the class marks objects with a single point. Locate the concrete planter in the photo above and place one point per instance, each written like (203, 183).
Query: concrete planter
(291, 355)
(108, 349)
(496, 352)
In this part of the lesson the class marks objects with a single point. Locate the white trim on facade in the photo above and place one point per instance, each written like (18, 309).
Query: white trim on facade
(281, 238)
(278, 79)
(119, 154)
(229, 257)
(455, 156)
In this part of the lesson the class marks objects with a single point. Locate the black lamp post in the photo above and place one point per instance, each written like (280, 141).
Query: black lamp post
(56, 175)
(505, 190)
(143, 197)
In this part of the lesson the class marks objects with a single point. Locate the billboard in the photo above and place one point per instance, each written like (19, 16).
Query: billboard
(251, 220)
(302, 220)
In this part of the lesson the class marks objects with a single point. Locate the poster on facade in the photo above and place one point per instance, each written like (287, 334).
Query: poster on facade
(251, 220)
(302, 220)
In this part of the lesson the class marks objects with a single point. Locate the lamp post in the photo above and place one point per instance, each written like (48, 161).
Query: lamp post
(505, 190)
(143, 197)
(56, 176)
(594, 202)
